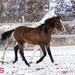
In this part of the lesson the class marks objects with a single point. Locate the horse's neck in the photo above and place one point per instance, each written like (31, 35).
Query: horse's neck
(48, 27)
(50, 30)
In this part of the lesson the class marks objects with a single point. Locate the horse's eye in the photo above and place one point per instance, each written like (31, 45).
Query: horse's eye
(58, 23)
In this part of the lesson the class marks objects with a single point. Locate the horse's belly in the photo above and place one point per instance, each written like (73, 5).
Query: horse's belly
(35, 41)
(31, 42)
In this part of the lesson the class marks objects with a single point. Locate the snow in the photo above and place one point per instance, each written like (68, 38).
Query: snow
(64, 56)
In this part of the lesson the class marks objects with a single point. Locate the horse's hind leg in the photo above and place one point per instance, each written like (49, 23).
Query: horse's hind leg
(5, 49)
(22, 54)
(3, 56)
(44, 54)
(16, 49)
(26, 46)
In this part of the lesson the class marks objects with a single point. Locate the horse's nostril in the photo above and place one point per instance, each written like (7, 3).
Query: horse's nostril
(63, 30)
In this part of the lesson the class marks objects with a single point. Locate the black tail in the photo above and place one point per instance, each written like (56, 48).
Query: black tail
(6, 35)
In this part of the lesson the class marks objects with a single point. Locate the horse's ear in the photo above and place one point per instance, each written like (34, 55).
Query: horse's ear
(58, 17)
(54, 16)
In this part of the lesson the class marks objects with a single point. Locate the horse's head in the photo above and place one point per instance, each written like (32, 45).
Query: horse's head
(58, 23)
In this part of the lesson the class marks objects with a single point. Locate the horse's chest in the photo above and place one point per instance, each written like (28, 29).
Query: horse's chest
(44, 40)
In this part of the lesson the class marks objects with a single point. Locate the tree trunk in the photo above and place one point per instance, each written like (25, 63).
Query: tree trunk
(73, 4)
(1, 6)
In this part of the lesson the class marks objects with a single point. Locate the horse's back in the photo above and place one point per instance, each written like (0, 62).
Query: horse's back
(19, 31)
(22, 33)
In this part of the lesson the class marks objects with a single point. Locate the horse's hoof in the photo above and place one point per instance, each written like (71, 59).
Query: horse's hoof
(22, 59)
(28, 65)
(55, 63)
(37, 62)
(14, 62)
(30, 62)
(2, 62)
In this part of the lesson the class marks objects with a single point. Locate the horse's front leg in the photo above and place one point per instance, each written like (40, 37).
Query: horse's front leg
(50, 54)
(44, 53)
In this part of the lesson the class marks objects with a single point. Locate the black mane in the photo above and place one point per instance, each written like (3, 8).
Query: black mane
(58, 17)
(46, 21)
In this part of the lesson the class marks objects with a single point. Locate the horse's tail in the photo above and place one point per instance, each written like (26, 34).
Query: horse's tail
(6, 35)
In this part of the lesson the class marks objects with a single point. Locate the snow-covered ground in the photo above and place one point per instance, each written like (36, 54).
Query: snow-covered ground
(64, 57)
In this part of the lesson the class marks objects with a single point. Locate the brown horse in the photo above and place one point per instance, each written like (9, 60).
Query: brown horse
(40, 35)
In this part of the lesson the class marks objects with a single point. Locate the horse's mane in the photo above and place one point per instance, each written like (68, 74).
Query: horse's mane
(46, 21)
(58, 17)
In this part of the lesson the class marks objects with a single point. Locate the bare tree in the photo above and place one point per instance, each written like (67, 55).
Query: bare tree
(73, 4)
(1, 6)
(32, 10)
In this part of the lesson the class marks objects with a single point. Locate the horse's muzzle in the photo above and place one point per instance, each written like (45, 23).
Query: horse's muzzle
(63, 30)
